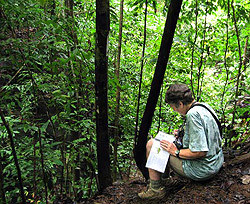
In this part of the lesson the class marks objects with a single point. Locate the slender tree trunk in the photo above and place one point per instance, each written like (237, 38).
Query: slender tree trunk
(142, 65)
(238, 75)
(167, 40)
(227, 73)
(69, 4)
(199, 83)
(34, 167)
(118, 90)
(42, 164)
(53, 7)
(2, 191)
(193, 47)
(76, 135)
(15, 156)
(101, 79)
(244, 63)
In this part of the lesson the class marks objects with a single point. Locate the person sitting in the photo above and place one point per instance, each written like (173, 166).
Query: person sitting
(201, 156)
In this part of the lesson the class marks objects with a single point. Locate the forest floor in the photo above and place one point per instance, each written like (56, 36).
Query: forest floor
(230, 185)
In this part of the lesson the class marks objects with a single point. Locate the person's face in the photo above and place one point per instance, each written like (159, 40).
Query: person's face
(181, 109)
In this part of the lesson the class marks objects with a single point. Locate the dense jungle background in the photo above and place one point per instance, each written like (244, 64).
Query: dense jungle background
(49, 95)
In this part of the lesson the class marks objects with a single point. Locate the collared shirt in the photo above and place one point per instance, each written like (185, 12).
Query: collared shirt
(202, 135)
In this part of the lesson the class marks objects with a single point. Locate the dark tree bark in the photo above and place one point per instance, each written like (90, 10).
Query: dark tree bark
(142, 65)
(42, 164)
(2, 192)
(15, 156)
(193, 46)
(34, 168)
(244, 64)
(231, 133)
(101, 78)
(167, 39)
(223, 107)
(53, 7)
(69, 4)
(200, 73)
(118, 90)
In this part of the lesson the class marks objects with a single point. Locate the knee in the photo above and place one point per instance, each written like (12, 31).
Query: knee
(149, 144)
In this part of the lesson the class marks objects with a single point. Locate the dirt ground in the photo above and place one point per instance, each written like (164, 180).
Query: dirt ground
(231, 185)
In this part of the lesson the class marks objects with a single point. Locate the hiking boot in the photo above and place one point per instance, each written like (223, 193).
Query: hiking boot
(151, 193)
(170, 181)
(167, 179)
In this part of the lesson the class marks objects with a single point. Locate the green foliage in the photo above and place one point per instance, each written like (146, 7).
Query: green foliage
(53, 91)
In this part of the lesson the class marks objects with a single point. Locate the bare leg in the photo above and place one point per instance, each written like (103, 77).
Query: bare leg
(153, 175)
(155, 190)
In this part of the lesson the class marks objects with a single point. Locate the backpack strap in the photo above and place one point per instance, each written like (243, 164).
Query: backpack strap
(215, 118)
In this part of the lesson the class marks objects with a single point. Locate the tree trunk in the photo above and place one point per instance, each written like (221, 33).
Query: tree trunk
(15, 156)
(193, 46)
(223, 107)
(53, 7)
(42, 164)
(202, 60)
(118, 90)
(2, 192)
(101, 79)
(244, 63)
(69, 4)
(34, 168)
(167, 39)
(142, 65)
(238, 76)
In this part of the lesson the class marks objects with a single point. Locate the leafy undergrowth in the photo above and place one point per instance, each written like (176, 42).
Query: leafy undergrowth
(231, 185)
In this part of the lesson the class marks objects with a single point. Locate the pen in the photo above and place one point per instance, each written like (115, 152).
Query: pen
(157, 139)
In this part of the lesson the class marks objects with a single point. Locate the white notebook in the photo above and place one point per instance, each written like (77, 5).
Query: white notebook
(158, 157)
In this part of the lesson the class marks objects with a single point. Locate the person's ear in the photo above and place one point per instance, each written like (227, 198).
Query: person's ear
(181, 104)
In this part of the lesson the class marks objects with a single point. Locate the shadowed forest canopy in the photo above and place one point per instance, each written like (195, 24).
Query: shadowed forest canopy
(73, 86)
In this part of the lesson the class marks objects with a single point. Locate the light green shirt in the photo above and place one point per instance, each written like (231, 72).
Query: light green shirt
(202, 134)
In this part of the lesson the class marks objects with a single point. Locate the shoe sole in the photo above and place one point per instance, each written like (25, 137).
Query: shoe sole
(154, 198)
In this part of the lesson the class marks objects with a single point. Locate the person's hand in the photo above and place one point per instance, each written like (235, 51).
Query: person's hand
(168, 146)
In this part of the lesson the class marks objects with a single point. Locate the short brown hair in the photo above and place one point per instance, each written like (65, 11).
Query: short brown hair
(179, 93)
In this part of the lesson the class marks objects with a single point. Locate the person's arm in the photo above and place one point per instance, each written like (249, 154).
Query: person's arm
(188, 154)
(184, 153)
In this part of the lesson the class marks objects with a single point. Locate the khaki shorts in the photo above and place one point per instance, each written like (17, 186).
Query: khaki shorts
(176, 165)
